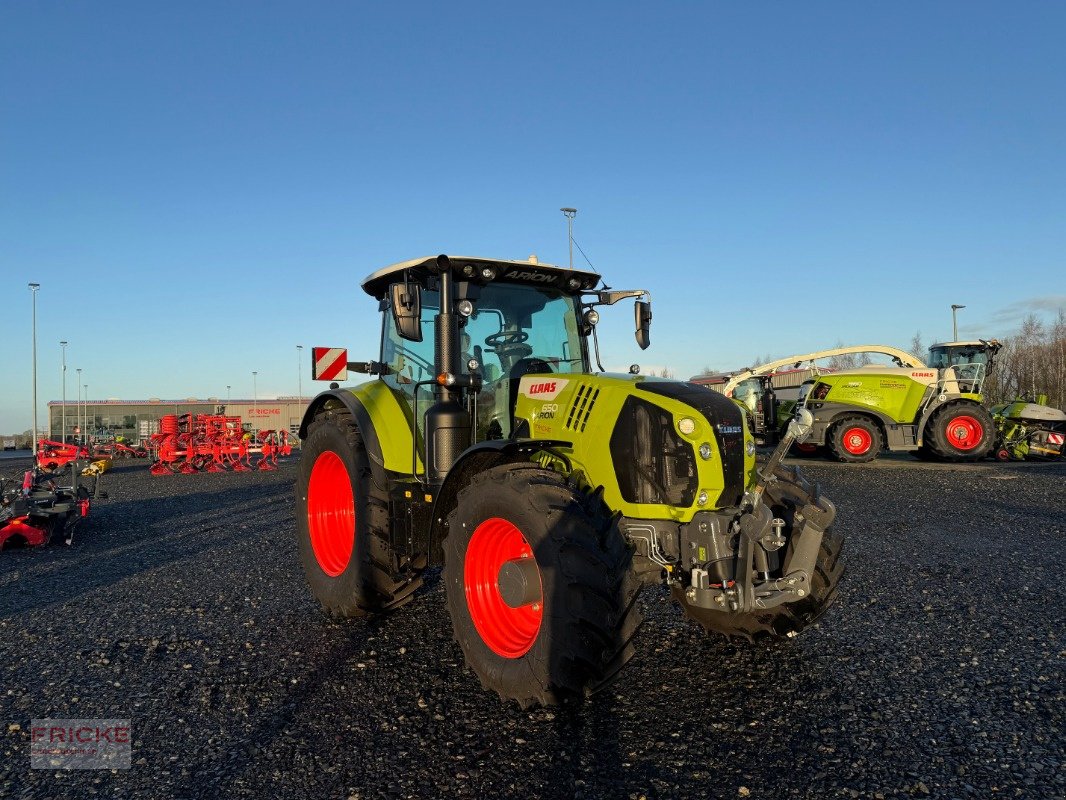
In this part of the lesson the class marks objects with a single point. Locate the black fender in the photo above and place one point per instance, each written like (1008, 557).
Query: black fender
(336, 398)
(836, 411)
(478, 458)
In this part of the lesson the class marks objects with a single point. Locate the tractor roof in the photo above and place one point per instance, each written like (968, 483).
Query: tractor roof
(471, 268)
(989, 343)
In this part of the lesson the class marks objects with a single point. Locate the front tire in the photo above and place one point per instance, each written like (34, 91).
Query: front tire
(540, 592)
(855, 440)
(961, 432)
(343, 525)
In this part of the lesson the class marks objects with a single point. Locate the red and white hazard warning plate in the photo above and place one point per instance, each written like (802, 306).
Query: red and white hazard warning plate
(329, 363)
(1055, 438)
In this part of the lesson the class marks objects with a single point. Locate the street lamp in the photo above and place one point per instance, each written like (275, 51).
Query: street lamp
(227, 394)
(299, 371)
(255, 406)
(80, 428)
(570, 213)
(954, 322)
(63, 426)
(33, 290)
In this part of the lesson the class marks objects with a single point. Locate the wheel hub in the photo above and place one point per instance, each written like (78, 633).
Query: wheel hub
(857, 441)
(519, 582)
(964, 433)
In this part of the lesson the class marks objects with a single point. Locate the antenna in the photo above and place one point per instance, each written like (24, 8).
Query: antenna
(570, 213)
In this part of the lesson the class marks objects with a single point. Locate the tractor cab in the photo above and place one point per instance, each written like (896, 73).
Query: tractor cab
(971, 361)
(494, 322)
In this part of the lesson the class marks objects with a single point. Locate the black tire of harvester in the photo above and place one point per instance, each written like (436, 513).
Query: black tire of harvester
(976, 416)
(844, 435)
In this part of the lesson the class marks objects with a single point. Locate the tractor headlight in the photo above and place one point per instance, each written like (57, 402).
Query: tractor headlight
(465, 308)
(687, 425)
(750, 448)
(592, 316)
(705, 451)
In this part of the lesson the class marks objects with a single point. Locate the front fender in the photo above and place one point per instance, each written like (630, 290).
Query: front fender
(478, 458)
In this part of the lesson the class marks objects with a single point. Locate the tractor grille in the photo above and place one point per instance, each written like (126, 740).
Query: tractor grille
(727, 420)
(584, 400)
(651, 462)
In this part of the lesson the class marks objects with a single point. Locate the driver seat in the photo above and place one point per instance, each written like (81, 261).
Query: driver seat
(524, 366)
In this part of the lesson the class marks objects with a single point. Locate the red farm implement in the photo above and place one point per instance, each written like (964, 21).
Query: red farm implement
(214, 443)
(44, 506)
(52, 455)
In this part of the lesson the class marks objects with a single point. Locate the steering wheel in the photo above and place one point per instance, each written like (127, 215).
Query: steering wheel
(506, 338)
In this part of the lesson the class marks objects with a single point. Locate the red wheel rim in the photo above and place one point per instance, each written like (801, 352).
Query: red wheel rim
(964, 432)
(331, 513)
(508, 632)
(857, 441)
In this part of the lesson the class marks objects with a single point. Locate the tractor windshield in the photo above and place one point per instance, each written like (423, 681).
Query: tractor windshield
(944, 357)
(513, 323)
(515, 330)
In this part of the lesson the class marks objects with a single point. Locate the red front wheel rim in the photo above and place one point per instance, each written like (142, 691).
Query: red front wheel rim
(857, 441)
(331, 513)
(964, 432)
(508, 632)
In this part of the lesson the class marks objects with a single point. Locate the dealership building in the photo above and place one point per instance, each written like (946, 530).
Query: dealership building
(137, 420)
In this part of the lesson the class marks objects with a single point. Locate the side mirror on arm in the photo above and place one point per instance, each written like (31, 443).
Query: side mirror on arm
(642, 313)
(405, 299)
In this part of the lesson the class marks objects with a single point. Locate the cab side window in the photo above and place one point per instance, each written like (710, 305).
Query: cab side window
(410, 362)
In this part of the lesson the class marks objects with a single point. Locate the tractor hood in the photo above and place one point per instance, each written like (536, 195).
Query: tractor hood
(647, 441)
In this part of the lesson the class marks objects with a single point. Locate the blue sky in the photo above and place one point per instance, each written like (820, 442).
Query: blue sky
(200, 187)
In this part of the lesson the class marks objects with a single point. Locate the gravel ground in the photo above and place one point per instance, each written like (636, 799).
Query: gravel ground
(181, 606)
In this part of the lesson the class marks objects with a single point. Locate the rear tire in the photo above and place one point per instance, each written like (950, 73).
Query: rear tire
(961, 432)
(855, 440)
(342, 521)
(567, 636)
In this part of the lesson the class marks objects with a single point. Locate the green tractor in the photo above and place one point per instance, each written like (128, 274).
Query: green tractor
(550, 493)
(933, 410)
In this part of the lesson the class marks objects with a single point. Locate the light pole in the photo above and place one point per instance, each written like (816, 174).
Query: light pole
(299, 371)
(63, 425)
(227, 394)
(570, 213)
(255, 406)
(33, 290)
(954, 322)
(80, 428)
